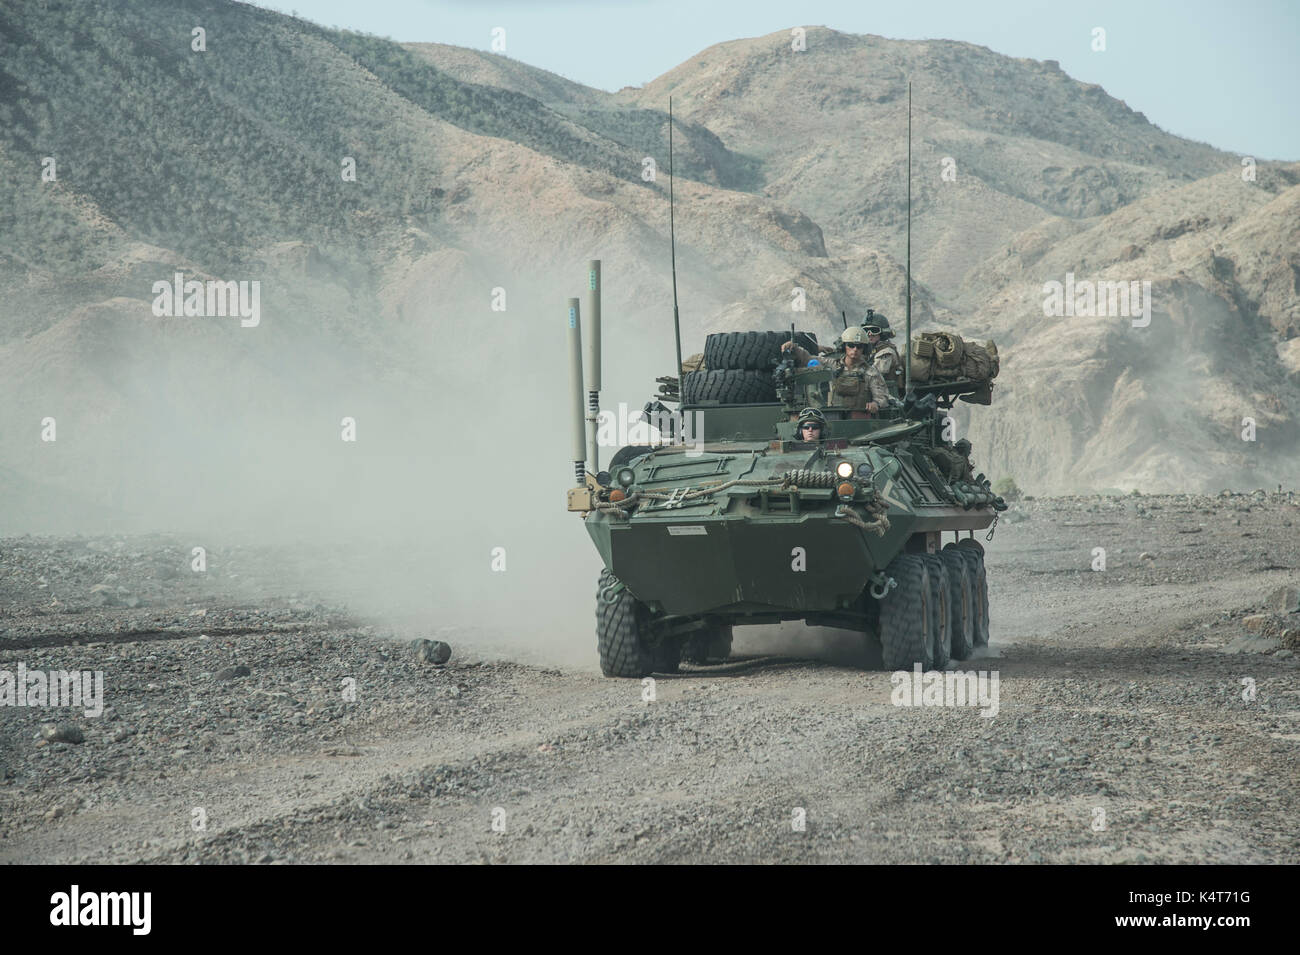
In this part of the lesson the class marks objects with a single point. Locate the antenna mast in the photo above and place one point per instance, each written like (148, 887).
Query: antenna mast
(672, 243)
(907, 342)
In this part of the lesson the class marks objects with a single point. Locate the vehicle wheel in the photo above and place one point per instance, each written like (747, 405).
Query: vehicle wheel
(711, 643)
(620, 630)
(973, 544)
(940, 588)
(906, 612)
(961, 605)
(729, 387)
(979, 589)
(756, 351)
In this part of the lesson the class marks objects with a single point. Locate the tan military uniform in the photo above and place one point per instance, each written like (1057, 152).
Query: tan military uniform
(890, 365)
(851, 388)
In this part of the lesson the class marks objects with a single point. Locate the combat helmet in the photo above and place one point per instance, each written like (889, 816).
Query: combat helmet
(878, 321)
(854, 334)
(815, 416)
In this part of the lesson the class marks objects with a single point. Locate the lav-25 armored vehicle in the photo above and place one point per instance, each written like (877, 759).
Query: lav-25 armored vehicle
(746, 524)
(736, 521)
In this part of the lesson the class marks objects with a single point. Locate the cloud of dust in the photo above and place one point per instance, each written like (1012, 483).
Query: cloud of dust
(447, 511)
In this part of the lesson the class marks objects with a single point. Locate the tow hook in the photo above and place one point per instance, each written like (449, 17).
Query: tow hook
(881, 585)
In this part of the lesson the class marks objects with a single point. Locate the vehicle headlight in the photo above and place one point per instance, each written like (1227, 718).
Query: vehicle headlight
(626, 477)
(844, 469)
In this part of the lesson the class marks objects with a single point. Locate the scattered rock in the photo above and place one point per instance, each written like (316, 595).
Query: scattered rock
(1257, 621)
(1284, 654)
(1145, 555)
(232, 673)
(431, 651)
(62, 733)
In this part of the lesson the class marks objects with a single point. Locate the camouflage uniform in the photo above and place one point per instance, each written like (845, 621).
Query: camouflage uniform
(851, 388)
(890, 365)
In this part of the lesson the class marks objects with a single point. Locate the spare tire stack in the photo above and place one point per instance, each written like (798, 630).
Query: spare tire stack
(740, 367)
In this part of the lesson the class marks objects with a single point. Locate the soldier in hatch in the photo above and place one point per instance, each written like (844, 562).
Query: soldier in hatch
(881, 352)
(856, 386)
(884, 355)
(812, 426)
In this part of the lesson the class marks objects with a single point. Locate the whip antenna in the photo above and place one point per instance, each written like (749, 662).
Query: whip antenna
(672, 245)
(907, 353)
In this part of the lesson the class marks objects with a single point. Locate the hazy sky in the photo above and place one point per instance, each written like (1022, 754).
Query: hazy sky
(1225, 74)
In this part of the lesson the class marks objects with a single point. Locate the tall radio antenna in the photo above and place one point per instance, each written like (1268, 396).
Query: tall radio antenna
(907, 342)
(672, 243)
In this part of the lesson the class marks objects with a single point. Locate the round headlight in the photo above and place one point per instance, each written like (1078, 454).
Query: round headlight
(844, 469)
(864, 471)
(626, 477)
(845, 491)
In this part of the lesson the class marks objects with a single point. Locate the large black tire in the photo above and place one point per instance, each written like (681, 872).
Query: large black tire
(940, 589)
(620, 631)
(961, 605)
(755, 351)
(728, 387)
(979, 587)
(712, 643)
(973, 544)
(906, 614)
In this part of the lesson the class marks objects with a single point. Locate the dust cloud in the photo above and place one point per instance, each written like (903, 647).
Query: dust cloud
(203, 431)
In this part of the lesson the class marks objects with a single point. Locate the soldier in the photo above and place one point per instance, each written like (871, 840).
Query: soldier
(855, 384)
(812, 426)
(884, 355)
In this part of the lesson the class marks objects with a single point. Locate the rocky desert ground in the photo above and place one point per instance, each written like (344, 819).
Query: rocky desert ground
(1148, 712)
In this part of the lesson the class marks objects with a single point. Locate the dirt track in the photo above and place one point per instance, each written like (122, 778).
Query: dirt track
(1120, 693)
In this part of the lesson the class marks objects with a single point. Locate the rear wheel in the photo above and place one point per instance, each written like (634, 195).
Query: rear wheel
(906, 612)
(979, 591)
(940, 588)
(620, 630)
(961, 605)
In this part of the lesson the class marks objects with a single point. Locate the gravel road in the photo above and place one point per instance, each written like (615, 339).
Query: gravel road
(1147, 712)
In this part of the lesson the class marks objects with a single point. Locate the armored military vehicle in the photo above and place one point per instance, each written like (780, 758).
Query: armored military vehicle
(733, 519)
(736, 520)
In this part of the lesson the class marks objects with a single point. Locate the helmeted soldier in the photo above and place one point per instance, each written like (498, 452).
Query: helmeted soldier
(855, 384)
(884, 354)
(812, 426)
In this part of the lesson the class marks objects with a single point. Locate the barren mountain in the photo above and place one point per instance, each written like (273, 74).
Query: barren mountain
(384, 195)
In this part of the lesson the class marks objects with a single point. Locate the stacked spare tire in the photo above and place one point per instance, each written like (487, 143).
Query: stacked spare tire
(738, 367)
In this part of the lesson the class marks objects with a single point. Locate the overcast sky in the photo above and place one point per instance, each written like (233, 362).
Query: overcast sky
(1227, 74)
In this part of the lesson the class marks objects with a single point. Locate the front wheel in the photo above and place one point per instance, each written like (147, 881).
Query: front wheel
(907, 616)
(620, 630)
